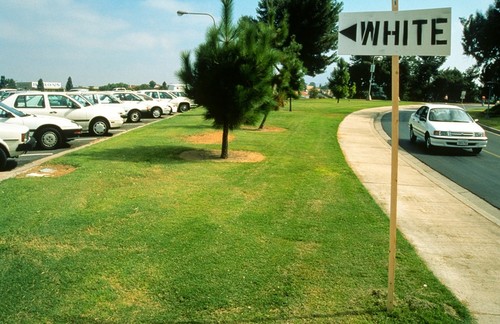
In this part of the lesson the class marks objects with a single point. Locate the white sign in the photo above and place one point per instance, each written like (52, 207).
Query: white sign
(48, 85)
(404, 33)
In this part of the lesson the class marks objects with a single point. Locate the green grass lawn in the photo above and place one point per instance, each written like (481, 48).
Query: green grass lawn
(492, 120)
(137, 234)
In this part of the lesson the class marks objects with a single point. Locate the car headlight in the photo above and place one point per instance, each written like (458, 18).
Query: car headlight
(479, 134)
(441, 133)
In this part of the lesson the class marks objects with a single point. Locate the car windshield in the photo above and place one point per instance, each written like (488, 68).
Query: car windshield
(145, 97)
(105, 98)
(179, 93)
(11, 110)
(449, 115)
(81, 99)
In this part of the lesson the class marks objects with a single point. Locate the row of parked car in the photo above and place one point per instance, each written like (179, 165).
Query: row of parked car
(50, 119)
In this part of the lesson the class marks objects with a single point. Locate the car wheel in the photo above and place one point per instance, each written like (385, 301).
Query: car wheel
(156, 112)
(134, 116)
(477, 150)
(183, 107)
(99, 127)
(428, 144)
(3, 160)
(413, 137)
(49, 138)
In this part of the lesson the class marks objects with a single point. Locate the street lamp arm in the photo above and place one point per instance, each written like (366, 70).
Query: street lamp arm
(182, 13)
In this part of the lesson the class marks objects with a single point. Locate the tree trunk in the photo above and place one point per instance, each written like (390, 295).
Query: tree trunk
(264, 120)
(225, 142)
(290, 104)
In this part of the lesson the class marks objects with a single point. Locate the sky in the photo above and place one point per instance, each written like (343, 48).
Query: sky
(96, 42)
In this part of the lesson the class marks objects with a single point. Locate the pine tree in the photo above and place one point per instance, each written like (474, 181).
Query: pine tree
(231, 73)
(69, 84)
(339, 81)
(40, 85)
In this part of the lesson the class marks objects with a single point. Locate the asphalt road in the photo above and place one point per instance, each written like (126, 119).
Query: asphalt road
(480, 174)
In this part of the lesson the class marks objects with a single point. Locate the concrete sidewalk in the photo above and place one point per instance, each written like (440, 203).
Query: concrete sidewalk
(456, 233)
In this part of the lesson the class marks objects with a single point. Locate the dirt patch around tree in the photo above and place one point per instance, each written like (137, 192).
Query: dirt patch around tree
(215, 137)
(208, 138)
(266, 129)
(214, 155)
(47, 171)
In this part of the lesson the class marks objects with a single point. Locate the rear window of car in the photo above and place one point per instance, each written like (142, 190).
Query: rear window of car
(29, 101)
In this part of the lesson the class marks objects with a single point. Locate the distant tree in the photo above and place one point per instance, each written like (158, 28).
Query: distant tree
(7, 83)
(164, 86)
(480, 40)
(339, 80)
(289, 70)
(359, 71)
(111, 86)
(40, 85)
(231, 74)
(470, 76)
(152, 84)
(313, 93)
(352, 90)
(449, 82)
(69, 84)
(311, 23)
(423, 70)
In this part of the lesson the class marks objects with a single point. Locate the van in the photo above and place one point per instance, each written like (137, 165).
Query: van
(177, 87)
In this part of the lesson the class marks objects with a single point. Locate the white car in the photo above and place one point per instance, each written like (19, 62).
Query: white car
(86, 103)
(179, 104)
(95, 121)
(446, 126)
(14, 140)
(134, 101)
(49, 132)
(158, 107)
(132, 114)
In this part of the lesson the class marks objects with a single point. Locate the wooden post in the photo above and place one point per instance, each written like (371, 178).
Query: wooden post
(394, 175)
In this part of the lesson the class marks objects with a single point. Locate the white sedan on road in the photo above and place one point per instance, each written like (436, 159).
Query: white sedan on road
(446, 126)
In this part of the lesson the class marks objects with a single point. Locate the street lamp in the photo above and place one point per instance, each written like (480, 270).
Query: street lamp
(182, 13)
(372, 70)
(490, 86)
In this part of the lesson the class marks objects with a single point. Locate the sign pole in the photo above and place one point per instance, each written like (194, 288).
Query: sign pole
(394, 175)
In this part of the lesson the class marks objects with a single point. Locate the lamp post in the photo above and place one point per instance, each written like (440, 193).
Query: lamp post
(490, 86)
(372, 71)
(182, 13)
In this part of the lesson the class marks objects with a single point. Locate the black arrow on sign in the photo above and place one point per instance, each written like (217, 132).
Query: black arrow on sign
(350, 32)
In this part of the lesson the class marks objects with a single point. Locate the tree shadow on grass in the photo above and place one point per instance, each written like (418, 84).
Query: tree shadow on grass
(156, 154)
(169, 154)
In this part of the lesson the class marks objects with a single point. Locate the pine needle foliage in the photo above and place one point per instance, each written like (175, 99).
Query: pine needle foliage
(231, 73)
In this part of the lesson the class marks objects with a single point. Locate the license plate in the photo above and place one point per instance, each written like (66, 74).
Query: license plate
(462, 142)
